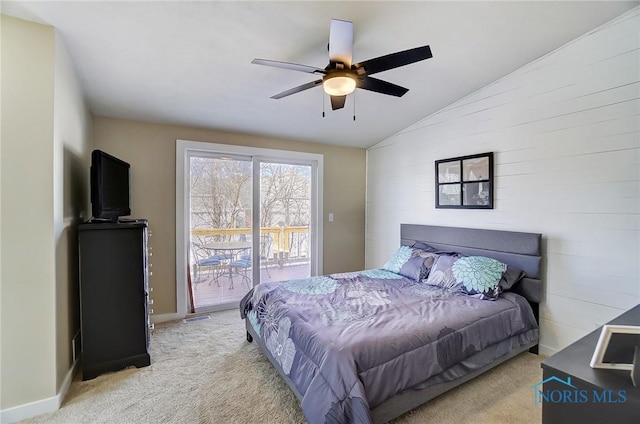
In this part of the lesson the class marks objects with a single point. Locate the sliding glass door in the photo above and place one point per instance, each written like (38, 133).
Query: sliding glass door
(247, 216)
(220, 228)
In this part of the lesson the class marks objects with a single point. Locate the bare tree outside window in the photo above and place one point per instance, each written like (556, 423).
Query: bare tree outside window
(285, 194)
(220, 193)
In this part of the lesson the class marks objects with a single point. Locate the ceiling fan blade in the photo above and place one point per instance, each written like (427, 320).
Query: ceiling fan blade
(337, 102)
(297, 89)
(379, 86)
(341, 42)
(394, 60)
(290, 66)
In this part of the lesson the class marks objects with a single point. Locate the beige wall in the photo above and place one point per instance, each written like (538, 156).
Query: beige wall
(43, 162)
(150, 149)
(28, 256)
(71, 157)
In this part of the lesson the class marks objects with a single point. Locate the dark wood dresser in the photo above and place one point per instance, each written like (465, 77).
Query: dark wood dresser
(114, 296)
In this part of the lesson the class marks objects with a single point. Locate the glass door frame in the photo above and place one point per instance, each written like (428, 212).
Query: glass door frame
(185, 149)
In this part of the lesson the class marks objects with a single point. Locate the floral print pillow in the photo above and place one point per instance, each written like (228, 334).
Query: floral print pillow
(477, 276)
(411, 262)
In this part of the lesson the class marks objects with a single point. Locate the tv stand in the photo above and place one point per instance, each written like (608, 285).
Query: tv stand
(119, 220)
(100, 221)
(114, 296)
(129, 220)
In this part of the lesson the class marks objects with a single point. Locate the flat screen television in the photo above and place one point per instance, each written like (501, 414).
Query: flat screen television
(109, 187)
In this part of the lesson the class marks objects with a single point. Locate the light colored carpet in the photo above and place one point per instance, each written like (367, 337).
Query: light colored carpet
(206, 372)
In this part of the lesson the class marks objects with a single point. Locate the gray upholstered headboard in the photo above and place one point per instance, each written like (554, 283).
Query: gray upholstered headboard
(519, 250)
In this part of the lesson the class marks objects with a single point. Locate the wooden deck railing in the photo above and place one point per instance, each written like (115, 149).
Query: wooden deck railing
(290, 243)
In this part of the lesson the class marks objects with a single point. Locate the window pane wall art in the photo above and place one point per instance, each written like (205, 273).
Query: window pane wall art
(465, 182)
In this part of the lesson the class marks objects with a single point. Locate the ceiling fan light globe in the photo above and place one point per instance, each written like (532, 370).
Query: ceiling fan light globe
(339, 85)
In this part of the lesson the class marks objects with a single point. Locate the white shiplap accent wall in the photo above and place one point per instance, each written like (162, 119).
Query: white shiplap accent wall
(565, 131)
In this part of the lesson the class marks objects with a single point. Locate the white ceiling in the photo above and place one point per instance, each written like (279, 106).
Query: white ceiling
(189, 62)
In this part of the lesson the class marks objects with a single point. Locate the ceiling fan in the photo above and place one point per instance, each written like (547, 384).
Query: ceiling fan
(341, 77)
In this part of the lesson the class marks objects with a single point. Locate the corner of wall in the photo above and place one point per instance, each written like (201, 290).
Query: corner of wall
(72, 140)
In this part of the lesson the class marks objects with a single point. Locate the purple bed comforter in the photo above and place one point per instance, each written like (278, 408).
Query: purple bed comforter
(350, 341)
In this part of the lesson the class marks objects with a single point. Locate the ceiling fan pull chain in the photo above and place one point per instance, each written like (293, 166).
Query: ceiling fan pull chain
(322, 94)
(354, 105)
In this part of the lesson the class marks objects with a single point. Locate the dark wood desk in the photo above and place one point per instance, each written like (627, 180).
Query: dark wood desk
(598, 396)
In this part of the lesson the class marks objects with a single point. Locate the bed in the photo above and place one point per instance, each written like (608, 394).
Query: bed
(365, 347)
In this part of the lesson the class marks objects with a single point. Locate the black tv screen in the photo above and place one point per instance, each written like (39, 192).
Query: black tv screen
(109, 186)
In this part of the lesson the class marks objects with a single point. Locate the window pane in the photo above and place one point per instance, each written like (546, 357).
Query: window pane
(285, 216)
(220, 228)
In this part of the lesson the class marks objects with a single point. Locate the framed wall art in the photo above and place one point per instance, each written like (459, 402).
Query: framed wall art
(616, 347)
(465, 182)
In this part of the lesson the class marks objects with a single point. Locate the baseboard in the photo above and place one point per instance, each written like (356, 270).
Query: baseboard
(546, 351)
(166, 317)
(43, 406)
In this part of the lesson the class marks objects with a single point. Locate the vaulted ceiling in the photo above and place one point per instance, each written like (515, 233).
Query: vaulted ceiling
(189, 63)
